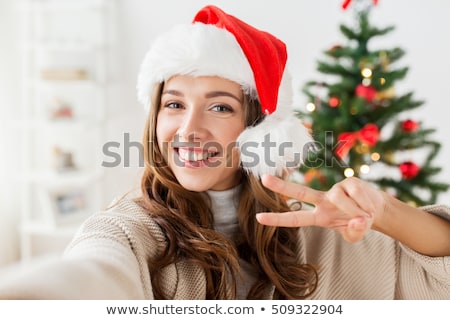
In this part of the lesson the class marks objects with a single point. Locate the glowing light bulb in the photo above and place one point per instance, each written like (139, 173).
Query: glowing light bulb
(375, 156)
(310, 107)
(348, 172)
(364, 169)
(366, 72)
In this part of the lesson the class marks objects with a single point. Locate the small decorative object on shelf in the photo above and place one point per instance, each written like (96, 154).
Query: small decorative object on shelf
(70, 202)
(63, 74)
(61, 110)
(63, 206)
(63, 160)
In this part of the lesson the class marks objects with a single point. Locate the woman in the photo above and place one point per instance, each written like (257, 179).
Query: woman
(213, 220)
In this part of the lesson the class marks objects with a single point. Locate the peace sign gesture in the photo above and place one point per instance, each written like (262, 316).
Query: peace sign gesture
(349, 207)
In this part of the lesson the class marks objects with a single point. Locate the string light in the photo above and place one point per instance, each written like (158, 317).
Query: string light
(349, 172)
(375, 156)
(364, 169)
(366, 72)
(310, 107)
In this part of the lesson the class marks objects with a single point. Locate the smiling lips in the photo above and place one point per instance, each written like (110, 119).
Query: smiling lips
(195, 154)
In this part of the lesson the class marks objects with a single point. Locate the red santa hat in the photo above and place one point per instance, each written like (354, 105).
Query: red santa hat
(220, 44)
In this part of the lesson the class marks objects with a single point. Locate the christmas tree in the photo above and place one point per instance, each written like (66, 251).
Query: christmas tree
(355, 117)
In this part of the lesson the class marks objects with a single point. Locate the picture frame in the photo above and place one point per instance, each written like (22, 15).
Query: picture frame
(62, 206)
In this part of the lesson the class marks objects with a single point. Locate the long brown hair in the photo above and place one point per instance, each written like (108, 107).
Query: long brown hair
(187, 221)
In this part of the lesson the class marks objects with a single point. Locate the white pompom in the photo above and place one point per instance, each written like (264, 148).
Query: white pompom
(274, 145)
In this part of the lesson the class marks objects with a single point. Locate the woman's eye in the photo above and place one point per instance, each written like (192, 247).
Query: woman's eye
(173, 105)
(222, 108)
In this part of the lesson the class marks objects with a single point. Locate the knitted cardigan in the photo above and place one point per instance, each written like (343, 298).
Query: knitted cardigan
(109, 258)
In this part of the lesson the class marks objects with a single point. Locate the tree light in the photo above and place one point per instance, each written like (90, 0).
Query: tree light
(366, 72)
(375, 156)
(364, 169)
(348, 172)
(310, 107)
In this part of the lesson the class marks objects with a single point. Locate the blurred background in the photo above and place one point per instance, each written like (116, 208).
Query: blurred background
(70, 124)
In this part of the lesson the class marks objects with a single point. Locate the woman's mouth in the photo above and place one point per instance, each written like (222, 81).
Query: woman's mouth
(195, 155)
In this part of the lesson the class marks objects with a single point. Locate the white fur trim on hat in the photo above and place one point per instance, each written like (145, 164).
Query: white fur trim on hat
(196, 49)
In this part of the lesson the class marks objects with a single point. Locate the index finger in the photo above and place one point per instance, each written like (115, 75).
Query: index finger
(292, 190)
(287, 219)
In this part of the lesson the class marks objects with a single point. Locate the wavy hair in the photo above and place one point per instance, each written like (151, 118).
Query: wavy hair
(186, 219)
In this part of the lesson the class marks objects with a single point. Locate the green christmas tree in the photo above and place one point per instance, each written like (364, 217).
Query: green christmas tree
(355, 116)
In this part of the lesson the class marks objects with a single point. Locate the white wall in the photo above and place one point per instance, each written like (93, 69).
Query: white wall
(307, 27)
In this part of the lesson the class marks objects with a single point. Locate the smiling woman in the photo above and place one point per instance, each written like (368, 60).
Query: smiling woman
(199, 119)
(209, 224)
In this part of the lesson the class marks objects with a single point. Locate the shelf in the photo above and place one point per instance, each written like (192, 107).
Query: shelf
(87, 84)
(53, 179)
(65, 81)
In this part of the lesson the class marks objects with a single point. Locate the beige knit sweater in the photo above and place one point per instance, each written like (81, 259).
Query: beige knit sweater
(108, 259)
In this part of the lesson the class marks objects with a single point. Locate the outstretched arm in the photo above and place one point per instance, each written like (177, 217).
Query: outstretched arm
(353, 206)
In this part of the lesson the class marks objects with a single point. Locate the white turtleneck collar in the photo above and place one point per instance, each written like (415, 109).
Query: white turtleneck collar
(224, 205)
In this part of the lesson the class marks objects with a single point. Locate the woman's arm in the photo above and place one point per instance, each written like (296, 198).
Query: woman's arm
(425, 233)
(353, 206)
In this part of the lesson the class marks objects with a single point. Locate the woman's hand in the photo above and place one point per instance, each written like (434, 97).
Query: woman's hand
(349, 207)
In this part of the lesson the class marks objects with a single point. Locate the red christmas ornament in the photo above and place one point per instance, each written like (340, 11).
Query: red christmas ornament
(409, 170)
(366, 92)
(410, 125)
(346, 3)
(334, 102)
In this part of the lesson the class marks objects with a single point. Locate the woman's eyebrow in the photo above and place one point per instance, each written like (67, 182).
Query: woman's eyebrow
(214, 94)
(211, 94)
(173, 92)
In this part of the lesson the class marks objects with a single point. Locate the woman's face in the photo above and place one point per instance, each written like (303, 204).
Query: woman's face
(197, 126)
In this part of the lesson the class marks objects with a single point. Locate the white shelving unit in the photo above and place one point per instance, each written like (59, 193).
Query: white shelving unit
(66, 53)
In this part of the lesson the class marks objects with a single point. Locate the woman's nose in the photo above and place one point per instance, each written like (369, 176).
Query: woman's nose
(192, 126)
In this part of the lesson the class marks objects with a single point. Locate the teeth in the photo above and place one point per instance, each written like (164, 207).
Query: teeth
(190, 155)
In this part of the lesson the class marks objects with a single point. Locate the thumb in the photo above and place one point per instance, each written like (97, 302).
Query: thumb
(356, 229)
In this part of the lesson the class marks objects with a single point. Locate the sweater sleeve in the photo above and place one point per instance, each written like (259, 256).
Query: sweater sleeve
(107, 259)
(378, 267)
(104, 272)
(420, 276)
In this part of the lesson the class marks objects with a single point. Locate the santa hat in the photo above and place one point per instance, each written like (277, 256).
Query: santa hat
(219, 44)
